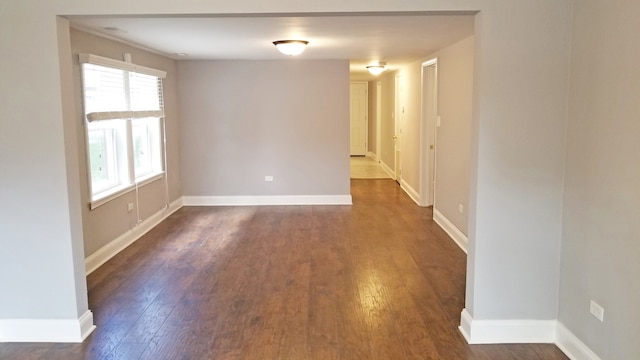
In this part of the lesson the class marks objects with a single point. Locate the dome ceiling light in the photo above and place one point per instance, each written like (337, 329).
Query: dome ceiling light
(291, 47)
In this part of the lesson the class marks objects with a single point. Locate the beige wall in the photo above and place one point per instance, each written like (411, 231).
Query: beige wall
(601, 213)
(410, 98)
(387, 156)
(112, 219)
(455, 100)
(242, 120)
(372, 133)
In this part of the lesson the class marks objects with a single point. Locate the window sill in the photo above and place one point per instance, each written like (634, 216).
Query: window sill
(117, 192)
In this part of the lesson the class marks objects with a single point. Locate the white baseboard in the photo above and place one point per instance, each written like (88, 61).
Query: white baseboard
(267, 200)
(372, 155)
(95, 260)
(47, 330)
(413, 194)
(387, 169)
(524, 331)
(448, 227)
(507, 331)
(573, 347)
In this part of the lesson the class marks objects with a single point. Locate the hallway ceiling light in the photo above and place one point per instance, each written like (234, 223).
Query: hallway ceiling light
(377, 69)
(291, 47)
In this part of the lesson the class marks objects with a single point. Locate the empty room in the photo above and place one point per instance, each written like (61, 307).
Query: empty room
(176, 180)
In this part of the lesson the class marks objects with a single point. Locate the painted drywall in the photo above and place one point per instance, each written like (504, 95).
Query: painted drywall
(39, 223)
(453, 139)
(409, 111)
(520, 110)
(110, 220)
(455, 100)
(387, 109)
(372, 133)
(601, 217)
(520, 96)
(244, 120)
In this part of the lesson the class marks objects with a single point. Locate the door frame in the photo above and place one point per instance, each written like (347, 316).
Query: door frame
(428, 134)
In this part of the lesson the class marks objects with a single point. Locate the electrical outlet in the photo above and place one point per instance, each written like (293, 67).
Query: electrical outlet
(596, 310)
(460, 208)
(130, 207)
(268, 178)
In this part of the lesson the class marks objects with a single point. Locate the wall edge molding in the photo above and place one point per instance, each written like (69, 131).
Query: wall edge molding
(387, 169)
(413, 194)
(102, 255)
(507, 331)
(47, 330)
(572, 346)
(458, 237)
(267, 200)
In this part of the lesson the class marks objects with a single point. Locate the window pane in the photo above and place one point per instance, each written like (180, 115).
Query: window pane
(141, 148)
(102, 159)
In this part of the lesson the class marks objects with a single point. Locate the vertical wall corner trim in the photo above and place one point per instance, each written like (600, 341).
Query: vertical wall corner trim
(47, 330)
(95, 260)
(458, 237)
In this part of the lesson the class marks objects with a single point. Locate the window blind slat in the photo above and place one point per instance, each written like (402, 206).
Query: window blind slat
(114, 115)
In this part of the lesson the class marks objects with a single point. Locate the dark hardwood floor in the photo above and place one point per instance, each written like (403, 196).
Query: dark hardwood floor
(376, 280)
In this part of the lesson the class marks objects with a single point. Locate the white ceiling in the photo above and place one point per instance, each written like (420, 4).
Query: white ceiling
(362, 39)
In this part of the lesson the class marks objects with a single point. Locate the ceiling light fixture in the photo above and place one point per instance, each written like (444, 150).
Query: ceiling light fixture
(291, 47)
(377, 69)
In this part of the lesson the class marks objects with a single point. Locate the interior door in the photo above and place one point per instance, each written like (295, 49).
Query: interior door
(358, 118)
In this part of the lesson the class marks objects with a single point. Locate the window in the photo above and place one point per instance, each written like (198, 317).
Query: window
(124, 117)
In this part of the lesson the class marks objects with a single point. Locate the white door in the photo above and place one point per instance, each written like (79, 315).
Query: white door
(358, 118)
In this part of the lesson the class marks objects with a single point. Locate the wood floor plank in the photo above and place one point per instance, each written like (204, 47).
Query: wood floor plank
(376, 280)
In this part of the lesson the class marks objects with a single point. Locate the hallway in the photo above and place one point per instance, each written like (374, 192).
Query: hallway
(365, 167)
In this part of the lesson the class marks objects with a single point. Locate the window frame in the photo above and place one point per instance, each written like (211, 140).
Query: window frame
(122, 124)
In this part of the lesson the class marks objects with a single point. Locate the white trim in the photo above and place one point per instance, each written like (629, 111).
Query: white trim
(573, 347)
(458, 237)
(372, 155)
(507, 331)
(47, 330)
(413, 194)
(95, 260)
(267, 200)
(524, 331)
(387, 169)
(122, 65)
